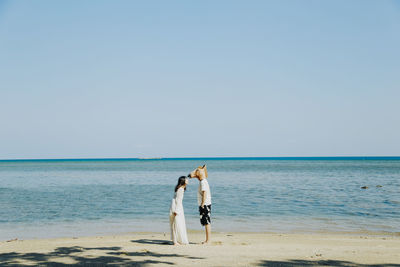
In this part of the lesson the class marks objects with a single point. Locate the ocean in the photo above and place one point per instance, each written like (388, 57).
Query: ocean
(57, 198)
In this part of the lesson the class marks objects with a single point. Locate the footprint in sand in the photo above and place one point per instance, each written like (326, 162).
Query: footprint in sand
(218, 243)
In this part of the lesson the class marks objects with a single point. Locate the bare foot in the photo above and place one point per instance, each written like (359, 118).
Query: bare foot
(176, 244)
(205, 242)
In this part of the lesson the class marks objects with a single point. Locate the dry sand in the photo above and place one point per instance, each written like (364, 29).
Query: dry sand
(226, 249)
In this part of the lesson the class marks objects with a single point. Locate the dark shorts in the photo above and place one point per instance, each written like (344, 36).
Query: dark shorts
(205, 214)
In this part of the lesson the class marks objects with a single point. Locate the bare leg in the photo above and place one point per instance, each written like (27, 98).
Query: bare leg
(208, 233)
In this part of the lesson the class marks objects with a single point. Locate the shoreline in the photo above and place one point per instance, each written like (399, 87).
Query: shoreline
(57, 231)
(197, 232)
(106, 227)
(226, 249)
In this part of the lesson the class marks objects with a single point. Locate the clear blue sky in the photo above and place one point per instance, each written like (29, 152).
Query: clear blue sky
(199, 78)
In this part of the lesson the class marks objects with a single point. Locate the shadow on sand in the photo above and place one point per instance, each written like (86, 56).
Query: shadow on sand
(79, 256)
(156, 242)
(298, 263)
(152, 241)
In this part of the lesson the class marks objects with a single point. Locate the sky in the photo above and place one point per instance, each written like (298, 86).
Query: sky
(116, 79)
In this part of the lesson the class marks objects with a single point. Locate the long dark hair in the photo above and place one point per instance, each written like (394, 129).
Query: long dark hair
(181, 182)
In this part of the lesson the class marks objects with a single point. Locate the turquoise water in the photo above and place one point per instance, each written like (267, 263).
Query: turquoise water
(85, 197)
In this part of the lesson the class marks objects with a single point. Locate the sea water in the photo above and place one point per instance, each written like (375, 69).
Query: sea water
(54, 198)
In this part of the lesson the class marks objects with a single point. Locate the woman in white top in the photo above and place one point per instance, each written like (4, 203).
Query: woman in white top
(176, 214)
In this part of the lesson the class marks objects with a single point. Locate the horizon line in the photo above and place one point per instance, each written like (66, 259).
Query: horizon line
(217, 158)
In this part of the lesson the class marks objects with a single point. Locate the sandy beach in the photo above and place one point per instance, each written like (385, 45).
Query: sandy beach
(226, 249)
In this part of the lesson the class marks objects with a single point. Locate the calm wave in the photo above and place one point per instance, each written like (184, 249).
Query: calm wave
(78, 197)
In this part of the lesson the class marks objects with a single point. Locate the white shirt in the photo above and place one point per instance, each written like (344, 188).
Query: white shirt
(203, 186)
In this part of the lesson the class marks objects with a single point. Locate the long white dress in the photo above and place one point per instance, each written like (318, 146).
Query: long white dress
(177, 223)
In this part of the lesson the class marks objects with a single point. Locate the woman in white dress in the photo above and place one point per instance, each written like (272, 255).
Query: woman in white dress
(176, 214)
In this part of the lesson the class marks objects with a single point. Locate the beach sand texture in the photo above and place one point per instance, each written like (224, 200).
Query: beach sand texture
(226, 249)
